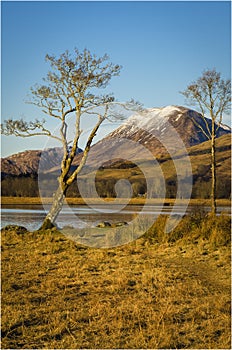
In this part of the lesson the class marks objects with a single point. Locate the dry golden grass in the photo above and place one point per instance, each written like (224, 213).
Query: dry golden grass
(156, 292)
(136, 201)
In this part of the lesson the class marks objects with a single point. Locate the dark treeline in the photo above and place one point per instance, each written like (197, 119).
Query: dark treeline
(27, 186)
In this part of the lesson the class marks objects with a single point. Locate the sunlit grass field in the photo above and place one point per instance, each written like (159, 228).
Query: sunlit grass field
(162, 291)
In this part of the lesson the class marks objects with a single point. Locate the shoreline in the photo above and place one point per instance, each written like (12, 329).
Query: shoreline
(132, 201)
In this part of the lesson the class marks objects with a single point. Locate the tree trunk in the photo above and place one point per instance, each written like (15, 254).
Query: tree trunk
(213, 172)
(57, 204)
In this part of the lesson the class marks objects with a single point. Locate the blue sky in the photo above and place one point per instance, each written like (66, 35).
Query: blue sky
(162, 46)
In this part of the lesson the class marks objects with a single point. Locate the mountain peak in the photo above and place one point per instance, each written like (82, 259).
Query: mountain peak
(153, 128)
(155, 117)
(167, 109)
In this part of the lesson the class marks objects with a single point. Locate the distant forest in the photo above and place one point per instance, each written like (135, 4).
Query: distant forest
(27, 186)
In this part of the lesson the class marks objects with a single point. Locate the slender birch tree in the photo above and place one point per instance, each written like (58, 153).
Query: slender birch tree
(72, 86)
(212, 95)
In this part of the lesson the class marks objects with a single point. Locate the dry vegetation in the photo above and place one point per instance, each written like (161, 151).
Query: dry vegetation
(138, 201)
(161, 291)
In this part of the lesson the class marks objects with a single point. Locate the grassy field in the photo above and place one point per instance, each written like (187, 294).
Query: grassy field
(158, 292)
(136, 201)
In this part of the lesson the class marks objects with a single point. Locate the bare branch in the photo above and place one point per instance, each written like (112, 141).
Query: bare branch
(87, 147)
(211, 94)
(21, 128)
(201, 128)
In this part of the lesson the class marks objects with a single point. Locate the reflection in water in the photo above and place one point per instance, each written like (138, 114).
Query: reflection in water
(31, 216)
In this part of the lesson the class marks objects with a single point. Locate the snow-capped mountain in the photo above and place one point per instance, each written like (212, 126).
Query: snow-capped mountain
(160, 130)
(159, 122)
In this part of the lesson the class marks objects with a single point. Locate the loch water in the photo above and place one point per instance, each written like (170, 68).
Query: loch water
(80, 216)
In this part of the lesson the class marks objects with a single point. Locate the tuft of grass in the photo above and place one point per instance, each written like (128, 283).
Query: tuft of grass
(195, 227)
(160, 291)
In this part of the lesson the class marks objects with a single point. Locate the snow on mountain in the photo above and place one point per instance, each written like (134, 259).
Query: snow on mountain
(160, 130)
(154, 118)
(225, 127)
(159, 115)
(157, 120)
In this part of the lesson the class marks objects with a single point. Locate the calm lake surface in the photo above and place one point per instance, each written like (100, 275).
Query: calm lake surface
(80, 216)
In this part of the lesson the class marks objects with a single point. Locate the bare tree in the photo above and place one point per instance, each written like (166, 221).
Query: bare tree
(212, 95)
(71, 87)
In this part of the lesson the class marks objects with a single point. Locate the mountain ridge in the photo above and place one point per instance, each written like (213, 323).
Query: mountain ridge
(28, 162)
(160, 130)
(153, 129)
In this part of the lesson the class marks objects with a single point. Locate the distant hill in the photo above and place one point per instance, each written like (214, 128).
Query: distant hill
(27, 163)
(200, 158)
